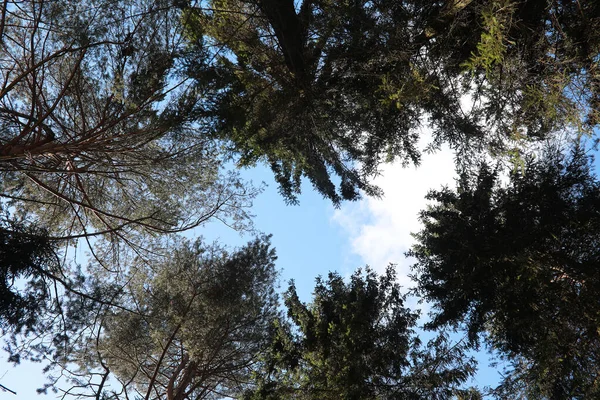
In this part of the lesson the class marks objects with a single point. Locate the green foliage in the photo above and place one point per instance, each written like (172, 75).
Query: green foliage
(518, 263)
(492, 46)
(538, 65)
(356, 340)
(191, 325)
(302, 89)
(112, 118)
(329, 90)
(25, 254)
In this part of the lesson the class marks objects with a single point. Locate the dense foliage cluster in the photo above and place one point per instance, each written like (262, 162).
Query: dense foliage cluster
(519, 263)
(199, 323)
(27, 254)
(323, 88)
(356, 340)
(118, 120)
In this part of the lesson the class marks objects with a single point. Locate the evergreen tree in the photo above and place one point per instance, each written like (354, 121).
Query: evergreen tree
(321, 88)
(356, 340)
(516, 264)
(95, 134)
(26, 255)
(187, 326)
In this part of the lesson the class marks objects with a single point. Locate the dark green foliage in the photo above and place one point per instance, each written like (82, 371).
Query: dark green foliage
(520, 263)
(305, 90)
(356, 340)
(103, 133)
(26, 260)
(326, 89)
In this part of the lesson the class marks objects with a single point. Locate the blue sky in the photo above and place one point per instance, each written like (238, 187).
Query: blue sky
(314, 238)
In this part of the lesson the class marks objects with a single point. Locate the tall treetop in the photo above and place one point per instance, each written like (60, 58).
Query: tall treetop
(516, 264)
(323, 89)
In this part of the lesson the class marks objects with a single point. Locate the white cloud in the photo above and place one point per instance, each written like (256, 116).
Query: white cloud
(379, 230)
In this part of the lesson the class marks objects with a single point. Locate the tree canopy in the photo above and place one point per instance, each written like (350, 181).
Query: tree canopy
(356, 340)
(517, 265)
(101, 101)
(95, 144)
(190, 325)
(324, 89)
(95, 133)
(25, 254)
(118, 120)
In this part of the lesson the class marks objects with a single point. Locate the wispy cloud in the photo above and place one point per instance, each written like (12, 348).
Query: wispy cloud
(379, 230)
